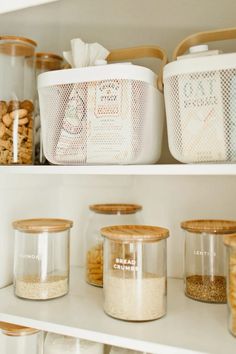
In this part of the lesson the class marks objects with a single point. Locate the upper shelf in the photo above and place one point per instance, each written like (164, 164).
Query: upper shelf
(190, 327)
(142, 170)
(12, 5)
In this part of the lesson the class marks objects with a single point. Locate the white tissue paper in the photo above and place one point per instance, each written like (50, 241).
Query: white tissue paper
(72, 142)
(84, 54)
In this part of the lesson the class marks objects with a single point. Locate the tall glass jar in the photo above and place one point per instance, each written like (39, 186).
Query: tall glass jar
(104, 215)
(230, 242)
(135, 272)
(44, 62)
(59, 344)
(20, 340)
(205, 271)
(17, 92)
(41, 261)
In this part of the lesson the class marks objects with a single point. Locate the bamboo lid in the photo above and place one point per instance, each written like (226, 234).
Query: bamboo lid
(17, 46)
(48, 61)
(15, 330)
(135, 233)
(42, 225)
(210, 226)
(230, 240)
(115, 208)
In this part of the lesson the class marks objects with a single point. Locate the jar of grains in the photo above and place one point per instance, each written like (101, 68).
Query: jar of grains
(17, 91)
(41, 261)
(44, 62)
(230, 242)
(205, 271)
(23, 340)
(135, 272)
(104, 215)
(60, 344)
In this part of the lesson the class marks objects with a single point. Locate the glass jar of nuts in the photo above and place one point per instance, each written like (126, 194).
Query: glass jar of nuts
(102, 215)
(17, 91)
(205, 271)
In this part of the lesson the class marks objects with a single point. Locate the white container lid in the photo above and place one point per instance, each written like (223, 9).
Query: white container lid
(200, 64)
(98, 73)
(198, 48)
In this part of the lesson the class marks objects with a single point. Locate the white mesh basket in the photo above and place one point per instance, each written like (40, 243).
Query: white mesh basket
(200, 99)
(110, 114)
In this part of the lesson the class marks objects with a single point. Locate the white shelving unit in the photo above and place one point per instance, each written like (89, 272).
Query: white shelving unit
(190, 327)
(169, 193)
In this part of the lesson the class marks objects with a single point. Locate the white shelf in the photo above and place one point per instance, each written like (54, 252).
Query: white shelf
(142, 170)
(189, 327)
(13, 5)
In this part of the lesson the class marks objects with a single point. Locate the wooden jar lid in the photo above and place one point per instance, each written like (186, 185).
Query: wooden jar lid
(48, 61)
(135, 233)
(17, 46)
(230, 240)
(115, 208)
(219, 227)
(15, 330)
(42, 225)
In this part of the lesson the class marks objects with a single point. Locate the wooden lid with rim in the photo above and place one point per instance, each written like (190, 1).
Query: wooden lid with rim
(135, 233)
(211, 226)
(230, 240)
(17, 46)
(48, 61)
(15, 330)
(42, 225)
(115, 208)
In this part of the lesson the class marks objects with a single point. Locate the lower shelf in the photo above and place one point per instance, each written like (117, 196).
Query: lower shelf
(188, 327)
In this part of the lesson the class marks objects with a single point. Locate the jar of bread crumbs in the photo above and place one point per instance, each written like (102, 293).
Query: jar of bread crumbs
(102, 215)
(205, 257)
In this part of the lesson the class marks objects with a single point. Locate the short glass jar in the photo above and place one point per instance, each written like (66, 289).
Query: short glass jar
(205, 271)
(17, 93)
(230, 242)
(41, 260)
(135, 283)
(20, 340)
(60, 344)
(104, 215)
(44, 62)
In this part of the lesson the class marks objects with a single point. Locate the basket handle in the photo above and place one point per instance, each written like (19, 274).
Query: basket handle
(204, 37)
(141, 52)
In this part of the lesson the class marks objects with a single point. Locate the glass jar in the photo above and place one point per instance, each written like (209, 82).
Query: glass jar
(205, 271)
(59, 344)
(41, 261)
(104, 215)
(17, 91)
(135, 272)
(44, 62)
(20, 340)
(230, 242)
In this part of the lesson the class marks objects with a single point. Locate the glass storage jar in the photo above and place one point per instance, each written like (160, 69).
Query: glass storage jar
(41, 260)
(205, 271)
(17, 92)
(60, 344)
(44, 62)
(20, 340)
(104, 215)
(230, 242)
(135, 272)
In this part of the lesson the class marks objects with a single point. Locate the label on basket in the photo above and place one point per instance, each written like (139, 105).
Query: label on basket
(71, 144)
(202, 117)
(111, 134)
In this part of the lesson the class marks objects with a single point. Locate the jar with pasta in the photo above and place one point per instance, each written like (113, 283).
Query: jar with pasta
(102, 215)
(230, 242)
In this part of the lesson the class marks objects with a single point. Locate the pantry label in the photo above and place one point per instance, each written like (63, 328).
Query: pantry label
(204, 253)
(125, 264)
